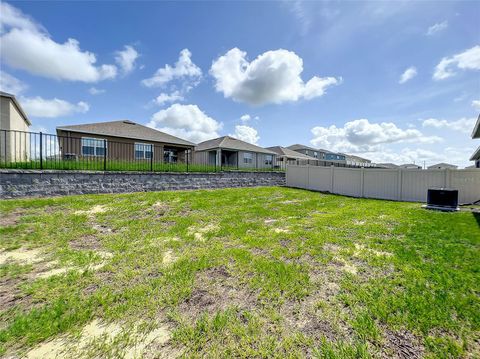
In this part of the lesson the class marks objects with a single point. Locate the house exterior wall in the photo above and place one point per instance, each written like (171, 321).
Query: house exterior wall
(15, 146)
(258, 159)
(118, 148)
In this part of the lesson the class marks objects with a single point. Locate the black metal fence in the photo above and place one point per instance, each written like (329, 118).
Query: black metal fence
(37, 150)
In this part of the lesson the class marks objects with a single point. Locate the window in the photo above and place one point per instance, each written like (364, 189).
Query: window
(315, 154)
(170, 155)
(247, 157)
(268, 160)
(143, 151)
(93, 146)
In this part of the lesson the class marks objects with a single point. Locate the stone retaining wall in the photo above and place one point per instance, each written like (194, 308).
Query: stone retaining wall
(34, 183)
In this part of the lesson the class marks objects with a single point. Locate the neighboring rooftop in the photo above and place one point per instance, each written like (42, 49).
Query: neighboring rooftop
(442, 165)
(298, 146)
(231, 143)
(286, 152)
(476, 129)
(410, 165)
(17, 105)
(126, 129)
(476, 155)
(387, 165)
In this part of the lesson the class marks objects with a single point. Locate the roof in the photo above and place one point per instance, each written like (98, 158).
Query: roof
(126, 129)
(410, 165)
(231, 143)
(476, 155)
(17, 105)
(300, 147)
(387, 165)
(286, 152)
(442, 164)
(476, 129)
(356, 157)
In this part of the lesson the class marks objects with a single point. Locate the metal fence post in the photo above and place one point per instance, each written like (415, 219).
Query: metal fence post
(104, 155)
(41, 150)
(151, 158)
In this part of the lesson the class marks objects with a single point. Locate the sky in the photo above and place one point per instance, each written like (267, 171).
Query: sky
(395, 81)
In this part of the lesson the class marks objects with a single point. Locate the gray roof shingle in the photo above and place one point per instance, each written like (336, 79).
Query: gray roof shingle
(231, 143)
(283, 151)
(126, 129)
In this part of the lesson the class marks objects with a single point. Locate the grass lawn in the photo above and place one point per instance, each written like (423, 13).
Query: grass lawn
(263, 272)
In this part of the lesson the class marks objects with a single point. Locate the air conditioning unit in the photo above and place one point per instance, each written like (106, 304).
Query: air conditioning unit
(444, 199)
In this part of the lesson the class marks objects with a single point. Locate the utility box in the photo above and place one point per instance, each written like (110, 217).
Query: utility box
(444, 199)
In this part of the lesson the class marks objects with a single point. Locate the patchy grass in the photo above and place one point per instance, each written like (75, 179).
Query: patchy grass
(264, 272)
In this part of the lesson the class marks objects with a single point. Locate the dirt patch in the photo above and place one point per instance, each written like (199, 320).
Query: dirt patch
(281, 230)
(95, 209)
(95, 333)
(10, 219)
(161, 208)
(88, 242)
(199, 233)
(21, 255)
(216, 290)
(169, 258)
(403, 345)
(360, 247)
(345, 266)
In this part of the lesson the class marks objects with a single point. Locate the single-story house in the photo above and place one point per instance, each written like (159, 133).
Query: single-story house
(319, 154)
(228, 151)
(122, 140)
(410, 166)
(387, 165)
(14, 125)
(288, 156)
(476, 134)
(442, 166)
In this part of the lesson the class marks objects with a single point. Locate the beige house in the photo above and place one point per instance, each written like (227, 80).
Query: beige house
(14, 123)
(287, 156)
(227, 151)
(357, 161)
(410, 166)
(476, 134)
(442, 166)
(123, 141)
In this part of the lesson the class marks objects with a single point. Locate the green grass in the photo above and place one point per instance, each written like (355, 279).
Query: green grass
(97, 164)
(257, 272)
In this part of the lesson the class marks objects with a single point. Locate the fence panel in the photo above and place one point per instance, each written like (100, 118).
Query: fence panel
(347, 181)
(381, 183)
(320, 178)
(415, 183)
(404, 185)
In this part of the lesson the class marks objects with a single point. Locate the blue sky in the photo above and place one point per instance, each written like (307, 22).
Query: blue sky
(392, 81)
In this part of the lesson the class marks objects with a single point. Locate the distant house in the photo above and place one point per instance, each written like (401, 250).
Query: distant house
(288, 156)
(227, 151)
(387, 165)
(122, 140)
(442, 166)
(357, 160)
(410, 166)
(318, 153)
(14, 123)
(476, 134)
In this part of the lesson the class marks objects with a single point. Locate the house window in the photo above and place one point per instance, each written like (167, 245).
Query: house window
(315, 154)
(93, 146)
(268, 160)
(170, 155)
(247, 157)
(143, 151)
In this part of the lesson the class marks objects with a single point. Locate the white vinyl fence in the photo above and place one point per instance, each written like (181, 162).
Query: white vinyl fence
(393, 184)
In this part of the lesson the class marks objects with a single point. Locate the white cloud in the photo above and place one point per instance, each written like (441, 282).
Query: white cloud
(164, 98)
(476, 104)
(464, 125)
(273, 77)
(126, 58)
(245, 118)
(437, 28)
(11, 84)
(246, 133)
(362, 136)
(27, 46)
(95, 91)
(467, 60)
(408, 74)
(40, 107)
(186, 121)
(184, 68)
